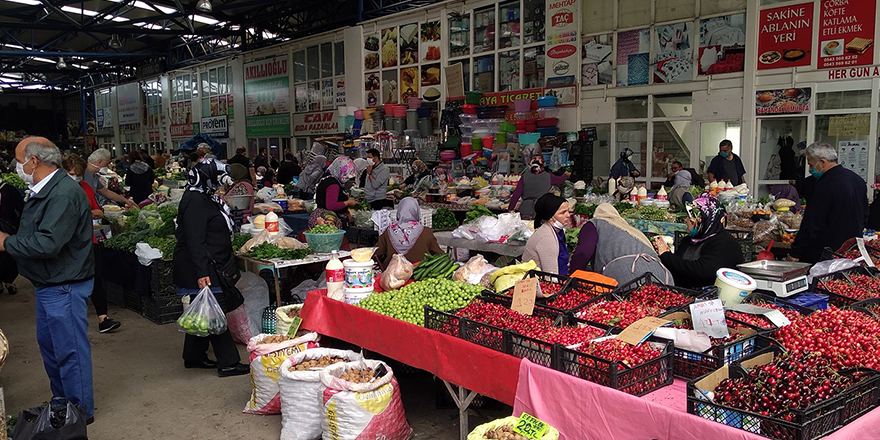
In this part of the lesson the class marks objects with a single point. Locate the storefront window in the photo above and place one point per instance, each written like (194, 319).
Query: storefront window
(299, 65)
(326, 60)
(843, 99)
(778, 140)
(484, 30)
(598, 16)
(217, 92)
(632, 13)
(631, 108)
(153, 104)
(315, 87)
(459, 35)
(850, 134)
(313, 63)
(533, 21)
(671, 142)
(711, 135)
(484, 78)
(668, 106)
(510, 28)
(533, 67)
(602, 151)
(667, 10)
(339, 56)
(508, 75)
(633, 135)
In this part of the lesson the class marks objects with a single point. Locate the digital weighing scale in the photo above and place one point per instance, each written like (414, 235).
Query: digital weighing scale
(783, 278)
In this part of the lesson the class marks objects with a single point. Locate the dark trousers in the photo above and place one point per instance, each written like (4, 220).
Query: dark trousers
(195, 349)
(99, 293)
(383, 203)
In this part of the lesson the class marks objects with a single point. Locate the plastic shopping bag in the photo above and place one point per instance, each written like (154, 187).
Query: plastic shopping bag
(301, 390)
(399, 271)
(203, 316)
(58, 420)
(355, 411)
(267, 353)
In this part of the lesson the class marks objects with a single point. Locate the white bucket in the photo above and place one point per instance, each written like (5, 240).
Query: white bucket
(358, 277)
(354, 297)
(733, 286)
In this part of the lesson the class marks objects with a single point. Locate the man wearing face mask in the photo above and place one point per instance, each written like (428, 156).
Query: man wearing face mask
(98, 160)
(53, 249)
(376, 184)
(624, 166)
(707, 248)
(837, 209)
(727, 165)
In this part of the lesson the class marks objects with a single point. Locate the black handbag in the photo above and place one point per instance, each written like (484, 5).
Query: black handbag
(228, 274)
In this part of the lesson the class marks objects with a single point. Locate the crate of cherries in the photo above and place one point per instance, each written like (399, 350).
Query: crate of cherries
(562, 295)
(761, 323)
(689, 364)
(848, 286)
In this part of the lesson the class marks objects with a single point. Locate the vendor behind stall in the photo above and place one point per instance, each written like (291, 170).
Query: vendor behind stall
(616, 249)
(534, 183)
(707, 248)
(546, 247)
(407, 236)
(330, 194)
(419, 171)
(624, 166)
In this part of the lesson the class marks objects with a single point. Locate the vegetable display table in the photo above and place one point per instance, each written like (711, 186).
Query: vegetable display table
(656, 227)
(445, 239)
(255, 266)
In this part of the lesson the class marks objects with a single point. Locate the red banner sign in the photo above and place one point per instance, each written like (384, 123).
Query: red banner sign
(785, 37)
(846, 33)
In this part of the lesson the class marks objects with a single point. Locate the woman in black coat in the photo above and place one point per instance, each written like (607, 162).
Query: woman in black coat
(204, 232)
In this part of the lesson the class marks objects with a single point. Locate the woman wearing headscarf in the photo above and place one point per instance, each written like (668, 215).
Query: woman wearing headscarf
(268, 177)
(707, 248)
(330, 194)
(420, 171)
(624, 166)
(616, 249)
(546, 247)
(360, 171)
(204, 233)
(534, 183)
(324, 217)
(407, 236)
(311, 174)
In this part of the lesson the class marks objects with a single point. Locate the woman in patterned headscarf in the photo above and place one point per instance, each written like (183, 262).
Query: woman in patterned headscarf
(707, 248)
(311, 174)
(330, 194)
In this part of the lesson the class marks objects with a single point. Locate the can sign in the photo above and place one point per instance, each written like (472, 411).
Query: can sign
(562, 18)
(562, 51)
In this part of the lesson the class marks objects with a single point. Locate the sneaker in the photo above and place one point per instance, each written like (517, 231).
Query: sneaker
(108, 325)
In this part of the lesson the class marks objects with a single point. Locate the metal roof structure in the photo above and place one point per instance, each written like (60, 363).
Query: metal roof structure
(69, 45)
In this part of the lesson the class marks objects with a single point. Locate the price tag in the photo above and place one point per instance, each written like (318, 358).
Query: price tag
(708, 317)
(865, 256)
(775, 316)
(524, 293)
(529, 426)
(294, 327)
(640, 330)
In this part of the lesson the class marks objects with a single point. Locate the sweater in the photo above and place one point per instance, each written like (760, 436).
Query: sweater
(694, 264)
(530, 188)
(54, 241)
(425, 244)
(616, 254)
(201, 231)
(543, 249)
(836, 211)
(140, 180)
(375, 188)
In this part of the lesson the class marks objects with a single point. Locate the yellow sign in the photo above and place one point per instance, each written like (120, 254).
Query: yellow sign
(850, 125)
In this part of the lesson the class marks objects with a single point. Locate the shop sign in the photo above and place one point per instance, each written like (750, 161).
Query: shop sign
(563, 40)
(785, 36)
(216, 126)
(182, 131)
(316, 123)
(846, 33)
(267, 97)
(128, 103)
(507, 98)
(104, 117)
(793, 101)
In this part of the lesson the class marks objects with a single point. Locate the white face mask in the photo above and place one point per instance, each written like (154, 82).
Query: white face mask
(558, 225)
(19, 168)
(75, 178)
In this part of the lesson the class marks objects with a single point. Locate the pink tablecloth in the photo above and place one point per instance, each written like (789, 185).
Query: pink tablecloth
(583, 410)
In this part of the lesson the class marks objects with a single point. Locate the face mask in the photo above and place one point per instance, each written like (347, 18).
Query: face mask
(75, 178)
(816, 173)
(558, 225)
(693, 231)
(19, 169)
(724, 154)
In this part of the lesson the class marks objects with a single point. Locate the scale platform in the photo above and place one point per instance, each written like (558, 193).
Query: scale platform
(783, 278)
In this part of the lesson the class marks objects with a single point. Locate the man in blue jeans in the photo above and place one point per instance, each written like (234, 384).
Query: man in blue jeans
(53, 249)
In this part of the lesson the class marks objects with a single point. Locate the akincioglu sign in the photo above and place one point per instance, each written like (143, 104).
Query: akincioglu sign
(316, 123)
(267, 97)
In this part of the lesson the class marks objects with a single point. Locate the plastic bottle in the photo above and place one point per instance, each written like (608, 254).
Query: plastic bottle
(661, 195)
(729, 186)
(634, 196)
(272, 223)
(335, 277)
(612, 185)
(643, 193)
(713, 187)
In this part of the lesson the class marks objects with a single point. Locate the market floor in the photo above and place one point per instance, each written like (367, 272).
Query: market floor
(142, 390)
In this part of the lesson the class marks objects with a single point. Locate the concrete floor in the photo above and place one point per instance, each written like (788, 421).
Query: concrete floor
(143, 392)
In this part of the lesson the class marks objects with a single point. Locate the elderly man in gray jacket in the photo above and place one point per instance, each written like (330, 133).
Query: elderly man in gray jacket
(53, 249)
(377, 181)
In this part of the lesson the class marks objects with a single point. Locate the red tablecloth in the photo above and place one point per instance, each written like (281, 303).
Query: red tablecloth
(583, 410)
(471, 366)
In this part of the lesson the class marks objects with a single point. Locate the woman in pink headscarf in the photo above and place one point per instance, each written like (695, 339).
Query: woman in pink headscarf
(330, 194)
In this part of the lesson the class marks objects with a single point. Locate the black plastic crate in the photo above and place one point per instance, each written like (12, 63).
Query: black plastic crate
(548, 277)
(624, 291)
(638, 380)
(162, 279)
(756, 298)
(814, 422)
(691, 364)
(870, 307)
(486, 335)
(162, 311)
(133, 300)
(537, 351)
(442, 322)
(598, 289)
(820, 285)
(558, 317)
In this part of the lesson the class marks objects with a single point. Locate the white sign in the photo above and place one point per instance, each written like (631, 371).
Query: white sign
(854, 156)
(104, 117)
(128, 103)
(305, 124)
(775, 316)
(216, 126)
(708, 317)
(563, 55)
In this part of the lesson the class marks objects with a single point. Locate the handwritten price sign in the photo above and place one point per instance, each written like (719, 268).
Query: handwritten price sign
(294, 327)
(530, 426)
(524, 293)
(708, 317)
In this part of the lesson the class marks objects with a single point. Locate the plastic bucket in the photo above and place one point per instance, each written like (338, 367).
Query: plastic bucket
(529, 138)
(465, 149)
(358, 276)
(355, 297)
(733, 286)
(282, 203)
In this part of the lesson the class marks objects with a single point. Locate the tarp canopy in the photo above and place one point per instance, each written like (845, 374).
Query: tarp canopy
(192, 143)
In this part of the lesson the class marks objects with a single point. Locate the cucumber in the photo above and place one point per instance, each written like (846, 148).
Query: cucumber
(443, 268)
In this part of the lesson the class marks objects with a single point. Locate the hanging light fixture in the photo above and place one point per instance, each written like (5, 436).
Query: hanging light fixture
(204, 6)
(61, 64)
(115, 42)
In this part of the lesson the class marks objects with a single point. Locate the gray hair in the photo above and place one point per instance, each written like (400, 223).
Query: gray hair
(822, 150)
(44, 150)
(99, 155)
